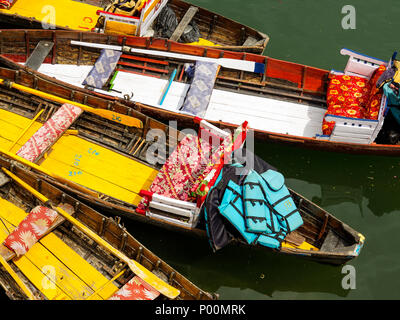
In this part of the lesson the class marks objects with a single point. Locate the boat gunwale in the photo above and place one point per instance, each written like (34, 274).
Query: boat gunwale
(109, 229)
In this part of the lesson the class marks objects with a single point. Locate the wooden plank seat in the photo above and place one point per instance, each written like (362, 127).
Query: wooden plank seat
(51, 265)
(189, 15)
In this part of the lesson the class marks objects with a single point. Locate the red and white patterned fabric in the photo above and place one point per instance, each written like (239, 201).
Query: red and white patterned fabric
(30, 230)
(352, 97)
(184, 172)
(6, 4)
(182, 168)
(136, 289)
(49, 132)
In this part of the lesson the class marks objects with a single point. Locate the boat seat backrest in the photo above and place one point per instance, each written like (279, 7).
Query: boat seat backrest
(49, 133)
(30, 230)
(102, 69)
(200, 90)
(360, 64)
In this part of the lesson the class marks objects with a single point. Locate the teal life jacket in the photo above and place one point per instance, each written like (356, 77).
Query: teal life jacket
(280, 200)
(258, 217)
(232, 209)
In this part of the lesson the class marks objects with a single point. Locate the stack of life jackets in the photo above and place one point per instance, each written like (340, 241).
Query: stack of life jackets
(258, 206)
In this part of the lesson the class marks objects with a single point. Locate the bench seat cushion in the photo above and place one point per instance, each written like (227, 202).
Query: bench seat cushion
(49, 133)
(136, 289)
(352, 97)
(30, 230)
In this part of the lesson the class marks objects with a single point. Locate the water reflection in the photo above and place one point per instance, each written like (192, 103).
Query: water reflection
(342, 177)
(240, 267)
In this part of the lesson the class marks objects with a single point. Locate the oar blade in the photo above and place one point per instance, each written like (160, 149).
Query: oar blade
(118, 117)
(151, 279)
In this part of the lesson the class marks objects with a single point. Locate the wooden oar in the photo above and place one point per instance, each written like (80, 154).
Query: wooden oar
(17, 279)
(26, 129)
(107, 114)
(13, 274)
(171, 79)
(136, 267)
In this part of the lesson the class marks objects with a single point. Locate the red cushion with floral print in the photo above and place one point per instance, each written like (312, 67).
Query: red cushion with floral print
(346, 90)
(6, 4)
(30, 230)
(52, 130)
(374, 102)
(136, 289)
(352, 97)
(181, 170)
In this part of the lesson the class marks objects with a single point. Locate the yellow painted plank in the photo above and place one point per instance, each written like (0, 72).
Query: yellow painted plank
(84, 16)
(88, 180)
(71, 155)
(71, 273)
(98, 170)
(40, 280)
(78, 265)
(37, 278)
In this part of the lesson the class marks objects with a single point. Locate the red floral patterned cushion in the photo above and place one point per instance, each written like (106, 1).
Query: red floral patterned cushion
(6, 4)
(30, 230)
(49, 132)
(183, 167)
(347, 90)
(327, 126)
(352, 97)
(136, 289)
(374, 102)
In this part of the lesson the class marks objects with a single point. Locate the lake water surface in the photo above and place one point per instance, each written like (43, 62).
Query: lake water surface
(362, 191)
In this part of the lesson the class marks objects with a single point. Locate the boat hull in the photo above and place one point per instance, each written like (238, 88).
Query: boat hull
(314, 81)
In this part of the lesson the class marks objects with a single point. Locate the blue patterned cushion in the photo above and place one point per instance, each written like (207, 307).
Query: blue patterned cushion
(199, 93)
(103, 68)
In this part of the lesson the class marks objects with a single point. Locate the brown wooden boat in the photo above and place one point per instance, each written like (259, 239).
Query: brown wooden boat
(91, 15)
(322, 237)
(66, 263)
(286, 104)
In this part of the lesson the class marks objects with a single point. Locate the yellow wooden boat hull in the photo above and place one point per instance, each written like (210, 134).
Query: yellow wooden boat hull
(63, 13)
(82, 161)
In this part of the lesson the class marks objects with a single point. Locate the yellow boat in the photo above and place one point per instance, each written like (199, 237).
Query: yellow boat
(137, 18)
(106, 163)
(87, 257)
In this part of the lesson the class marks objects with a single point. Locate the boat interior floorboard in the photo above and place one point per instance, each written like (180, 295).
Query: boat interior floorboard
(262, 113)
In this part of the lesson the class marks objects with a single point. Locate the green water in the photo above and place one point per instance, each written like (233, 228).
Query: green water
(362, 191)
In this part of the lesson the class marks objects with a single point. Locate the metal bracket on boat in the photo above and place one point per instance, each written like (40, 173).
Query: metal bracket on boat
(127, 97)
(38, 55)
(3, 179)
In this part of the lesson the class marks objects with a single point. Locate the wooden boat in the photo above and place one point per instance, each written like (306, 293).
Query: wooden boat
(286, 104)
(67, 262)
(82, 163)
(91, 15)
